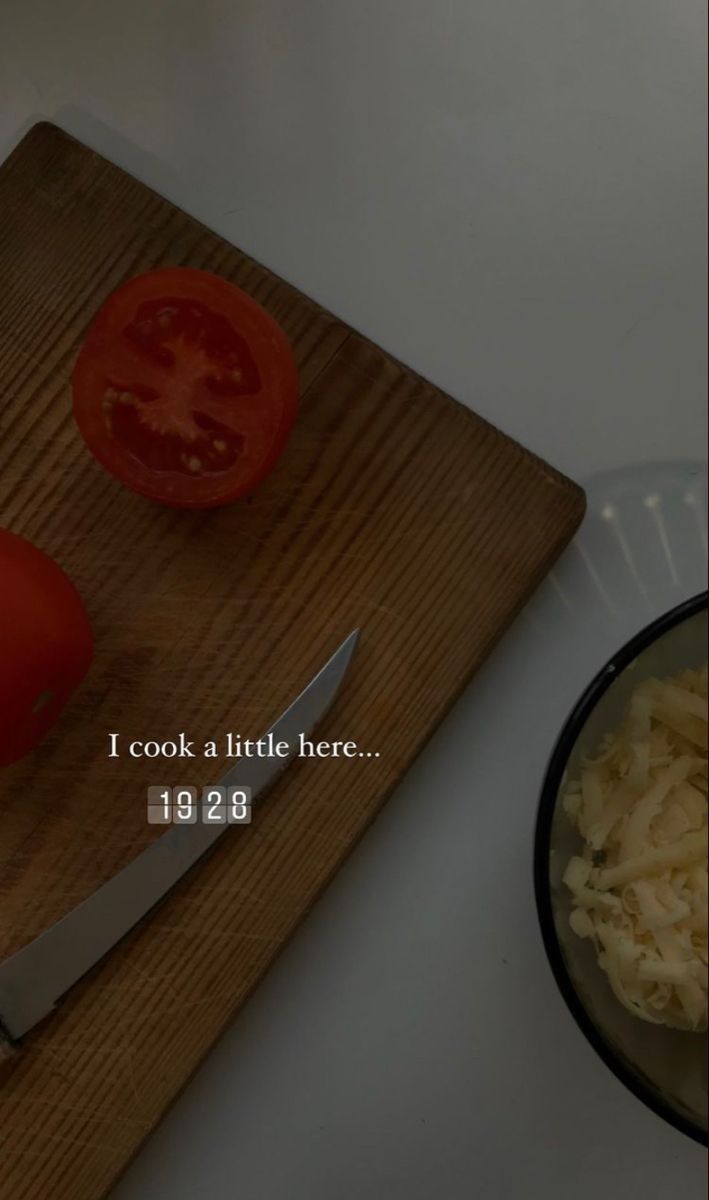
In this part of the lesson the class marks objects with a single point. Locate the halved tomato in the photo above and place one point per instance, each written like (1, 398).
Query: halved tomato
(185, 388)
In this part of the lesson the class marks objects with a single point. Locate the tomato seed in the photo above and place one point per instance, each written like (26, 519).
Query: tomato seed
(42, 700)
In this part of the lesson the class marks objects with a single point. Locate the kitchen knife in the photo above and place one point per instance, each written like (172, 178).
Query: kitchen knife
(34, 979)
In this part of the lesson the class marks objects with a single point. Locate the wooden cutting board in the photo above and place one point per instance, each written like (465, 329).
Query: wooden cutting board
(394, 509)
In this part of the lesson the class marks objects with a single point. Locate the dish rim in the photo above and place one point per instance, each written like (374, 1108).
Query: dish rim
(556, 768)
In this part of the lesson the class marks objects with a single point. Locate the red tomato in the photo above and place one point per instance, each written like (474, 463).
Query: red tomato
(46, 645)
(185, 388)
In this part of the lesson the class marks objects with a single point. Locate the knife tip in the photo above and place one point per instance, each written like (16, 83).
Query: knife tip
(343, 654)
(350, 643)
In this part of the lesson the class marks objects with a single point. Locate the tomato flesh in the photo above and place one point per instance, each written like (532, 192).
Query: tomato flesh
(185, 388)
(46, 645)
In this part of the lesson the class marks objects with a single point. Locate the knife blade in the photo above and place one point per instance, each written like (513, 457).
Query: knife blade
(34, 979)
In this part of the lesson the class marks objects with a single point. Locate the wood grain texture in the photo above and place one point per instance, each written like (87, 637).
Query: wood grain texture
(394, 509)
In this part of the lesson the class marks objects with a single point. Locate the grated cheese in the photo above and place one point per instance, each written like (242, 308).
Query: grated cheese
(640, 885)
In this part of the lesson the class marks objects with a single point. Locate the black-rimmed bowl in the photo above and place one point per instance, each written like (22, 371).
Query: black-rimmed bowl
(665, 1068)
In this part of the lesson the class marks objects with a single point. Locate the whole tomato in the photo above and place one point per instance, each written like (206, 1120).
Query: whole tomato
(46, 645)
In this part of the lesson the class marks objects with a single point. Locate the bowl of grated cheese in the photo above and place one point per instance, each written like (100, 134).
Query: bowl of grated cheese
(621, 865)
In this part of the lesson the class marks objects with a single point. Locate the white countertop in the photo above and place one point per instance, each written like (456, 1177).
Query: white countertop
(510, 197)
